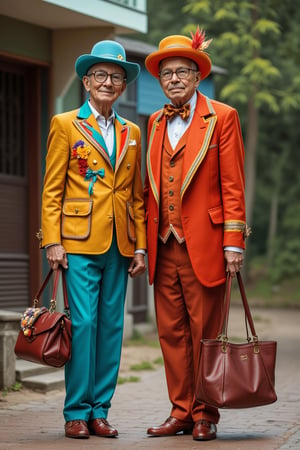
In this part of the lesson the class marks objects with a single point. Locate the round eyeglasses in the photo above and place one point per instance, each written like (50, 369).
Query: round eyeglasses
(101, 76)
(182, 73)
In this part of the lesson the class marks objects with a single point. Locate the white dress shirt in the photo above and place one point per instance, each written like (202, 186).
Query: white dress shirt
(107, 128)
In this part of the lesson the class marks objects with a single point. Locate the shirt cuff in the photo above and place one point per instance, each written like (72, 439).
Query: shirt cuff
(140, 250)
(233, 249)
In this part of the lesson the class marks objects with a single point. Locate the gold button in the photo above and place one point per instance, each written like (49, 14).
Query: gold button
(128, 166)
(95, 162)
(76, 210)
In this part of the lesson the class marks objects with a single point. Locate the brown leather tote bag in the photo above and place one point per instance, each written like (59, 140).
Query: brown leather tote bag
(236, 375)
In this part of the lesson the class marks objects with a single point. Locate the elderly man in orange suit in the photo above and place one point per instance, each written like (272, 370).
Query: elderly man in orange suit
(195, 210)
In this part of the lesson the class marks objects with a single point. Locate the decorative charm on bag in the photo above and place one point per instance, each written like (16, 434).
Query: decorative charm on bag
(29, 317)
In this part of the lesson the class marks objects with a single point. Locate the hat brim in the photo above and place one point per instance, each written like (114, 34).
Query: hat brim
(84, 62)
(200, 58)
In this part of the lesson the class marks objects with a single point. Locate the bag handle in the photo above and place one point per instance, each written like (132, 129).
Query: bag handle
(58, 272)
(225, 316)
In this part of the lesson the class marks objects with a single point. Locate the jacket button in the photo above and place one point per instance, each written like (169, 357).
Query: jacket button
(172, 163)
(95, 162)
(171, 207)
(171, 178)
(171, 193)
(76, 210)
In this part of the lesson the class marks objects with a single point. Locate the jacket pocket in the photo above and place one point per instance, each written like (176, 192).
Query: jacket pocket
(76, 218)
(130, 222)
(216, 215)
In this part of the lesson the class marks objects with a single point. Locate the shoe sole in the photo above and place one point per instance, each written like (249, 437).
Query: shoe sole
(173, 434)
(77, 437)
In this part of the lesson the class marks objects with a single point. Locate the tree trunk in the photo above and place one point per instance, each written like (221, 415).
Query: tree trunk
(272, 228)
(250, 157)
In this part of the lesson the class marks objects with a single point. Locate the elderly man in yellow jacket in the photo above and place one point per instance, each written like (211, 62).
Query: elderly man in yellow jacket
(93, 225)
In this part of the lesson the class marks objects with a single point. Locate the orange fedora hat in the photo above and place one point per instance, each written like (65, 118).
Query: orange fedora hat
(181, 46)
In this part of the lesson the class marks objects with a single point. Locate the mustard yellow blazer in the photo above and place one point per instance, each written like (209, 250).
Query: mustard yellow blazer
(84, 198)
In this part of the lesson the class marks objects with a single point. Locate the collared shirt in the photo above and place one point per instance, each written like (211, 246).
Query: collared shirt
(177, 126)
(107, 128)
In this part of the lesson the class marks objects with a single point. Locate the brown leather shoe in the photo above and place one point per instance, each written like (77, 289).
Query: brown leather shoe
(171, 427)
(100, 427)
(204, 431)
(77, 429)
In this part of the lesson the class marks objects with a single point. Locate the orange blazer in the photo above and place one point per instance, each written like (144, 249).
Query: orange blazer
(84, 198)
(212, 188)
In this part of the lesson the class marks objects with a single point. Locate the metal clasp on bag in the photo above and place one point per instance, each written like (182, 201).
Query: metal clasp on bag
(52, 307)
(255, 344)
(224, 340)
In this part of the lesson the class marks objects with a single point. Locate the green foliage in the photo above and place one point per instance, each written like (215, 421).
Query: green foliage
(16, 387)
(159, 361)
(139, 339)
(131, 379)
(144, 365)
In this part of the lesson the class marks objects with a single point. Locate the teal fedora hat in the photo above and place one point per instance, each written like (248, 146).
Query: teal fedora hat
(108, 52)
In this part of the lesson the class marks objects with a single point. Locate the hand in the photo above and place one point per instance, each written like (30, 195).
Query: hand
(234, 261)
(137, 265)
(56, 255)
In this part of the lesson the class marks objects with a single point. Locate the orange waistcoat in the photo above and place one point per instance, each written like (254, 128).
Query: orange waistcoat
(171, 171)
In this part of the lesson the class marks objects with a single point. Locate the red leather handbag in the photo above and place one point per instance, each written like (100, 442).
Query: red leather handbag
(236, 375)
(45, 335)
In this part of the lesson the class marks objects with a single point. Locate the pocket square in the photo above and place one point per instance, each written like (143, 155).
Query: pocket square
(132, 142)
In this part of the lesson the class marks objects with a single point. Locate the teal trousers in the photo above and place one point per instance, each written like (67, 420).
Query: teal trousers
(96, 287)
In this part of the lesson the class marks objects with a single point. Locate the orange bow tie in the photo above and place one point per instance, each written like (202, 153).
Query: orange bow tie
(170, 111)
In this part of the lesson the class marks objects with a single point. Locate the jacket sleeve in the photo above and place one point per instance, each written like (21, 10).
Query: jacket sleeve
(57, 162)
(232, 178)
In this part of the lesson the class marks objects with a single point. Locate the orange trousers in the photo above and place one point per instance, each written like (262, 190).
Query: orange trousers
(186, 312)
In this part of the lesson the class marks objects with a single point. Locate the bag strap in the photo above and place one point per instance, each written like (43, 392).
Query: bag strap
(37, 296)
(224, 321)
(58, 272)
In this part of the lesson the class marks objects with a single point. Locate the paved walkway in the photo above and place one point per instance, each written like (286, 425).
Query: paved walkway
(37, 422)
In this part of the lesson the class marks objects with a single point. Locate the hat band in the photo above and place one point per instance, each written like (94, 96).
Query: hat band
(177, 46)
(110, 55)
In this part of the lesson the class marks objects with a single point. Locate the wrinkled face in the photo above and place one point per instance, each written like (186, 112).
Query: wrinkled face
(179, 90)
(104, 91)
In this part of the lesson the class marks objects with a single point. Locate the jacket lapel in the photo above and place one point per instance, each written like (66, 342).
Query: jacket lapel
(122, 139)
(88, 127)
(155, 146)
(198, 139)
